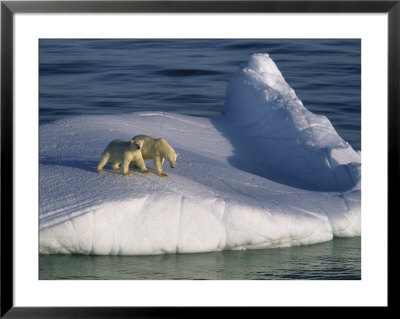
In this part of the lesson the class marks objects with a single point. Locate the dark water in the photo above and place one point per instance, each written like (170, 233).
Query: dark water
(339, 259)
(190, 77)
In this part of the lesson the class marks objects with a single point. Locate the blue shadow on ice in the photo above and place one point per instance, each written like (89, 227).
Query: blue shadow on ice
(89, 166)
(285, 162)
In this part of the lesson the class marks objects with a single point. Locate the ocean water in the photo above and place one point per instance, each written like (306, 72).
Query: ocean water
(338, 259)
(190, 76)
(117, 76)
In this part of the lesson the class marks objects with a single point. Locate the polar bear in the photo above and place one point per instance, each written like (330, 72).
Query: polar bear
(119, 151)
(158, 150)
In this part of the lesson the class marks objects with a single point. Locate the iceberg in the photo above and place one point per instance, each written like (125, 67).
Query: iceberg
(266, 173)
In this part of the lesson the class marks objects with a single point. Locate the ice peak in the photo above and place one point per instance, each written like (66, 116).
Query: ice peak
(260, 100)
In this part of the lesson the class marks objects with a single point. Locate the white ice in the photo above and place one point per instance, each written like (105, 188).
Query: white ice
(267, 173)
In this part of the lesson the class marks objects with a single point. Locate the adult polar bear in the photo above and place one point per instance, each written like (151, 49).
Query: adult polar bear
(158, 150)
(119, 151)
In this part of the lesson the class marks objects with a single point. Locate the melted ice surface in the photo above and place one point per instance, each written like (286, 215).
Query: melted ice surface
(268, 173)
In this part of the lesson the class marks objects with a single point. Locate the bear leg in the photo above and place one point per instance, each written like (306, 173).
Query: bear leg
(103, 161)
(115, 166)
(140, 163)
(158, 166)
(125, 169)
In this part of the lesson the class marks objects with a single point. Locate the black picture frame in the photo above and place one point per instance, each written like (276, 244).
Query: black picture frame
(9, 8)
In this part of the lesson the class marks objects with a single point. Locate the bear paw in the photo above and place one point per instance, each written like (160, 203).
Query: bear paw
(163, 174)
(100, 171)
(146, 171)
(128, 174)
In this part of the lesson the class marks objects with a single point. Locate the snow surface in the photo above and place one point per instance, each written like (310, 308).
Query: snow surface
(267, 173)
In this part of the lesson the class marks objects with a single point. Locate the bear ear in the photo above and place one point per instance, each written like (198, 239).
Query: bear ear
(176, 154)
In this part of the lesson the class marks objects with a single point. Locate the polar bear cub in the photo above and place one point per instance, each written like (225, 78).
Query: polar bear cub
(119, 151)
(158, 150)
